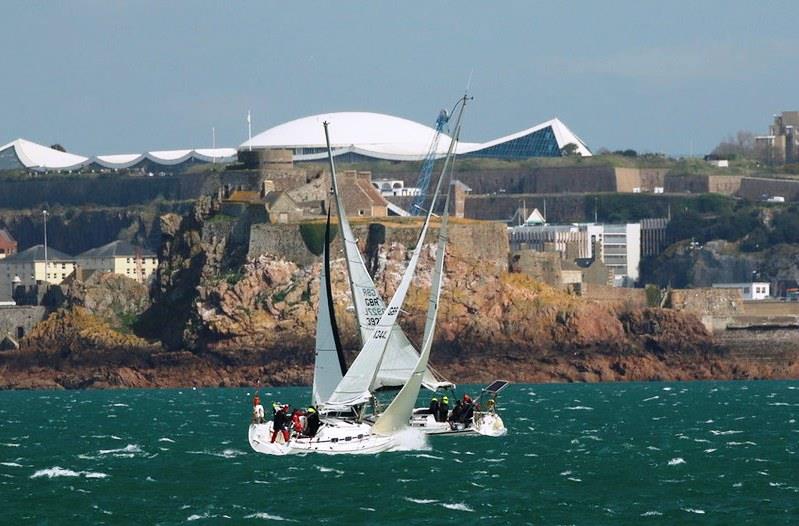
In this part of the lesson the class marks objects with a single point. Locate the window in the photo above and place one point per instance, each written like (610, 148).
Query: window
(746, 290)
(20, 332)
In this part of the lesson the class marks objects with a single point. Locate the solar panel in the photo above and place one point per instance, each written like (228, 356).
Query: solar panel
(496, 386)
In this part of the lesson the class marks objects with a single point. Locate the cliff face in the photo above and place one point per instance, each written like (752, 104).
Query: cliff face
(223, 323)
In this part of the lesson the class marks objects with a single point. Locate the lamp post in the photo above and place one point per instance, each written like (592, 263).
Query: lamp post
(44, 213)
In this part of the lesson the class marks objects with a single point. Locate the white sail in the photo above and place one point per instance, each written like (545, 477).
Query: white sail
(358, 383)
(397, 414)
(329, 366)
(401, 356)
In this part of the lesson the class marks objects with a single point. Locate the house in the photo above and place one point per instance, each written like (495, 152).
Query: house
(360, 197)
(282, 208)
(120, 257)
(8, 245)
(32, 266)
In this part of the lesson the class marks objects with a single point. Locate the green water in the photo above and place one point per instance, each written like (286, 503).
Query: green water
(655, 453)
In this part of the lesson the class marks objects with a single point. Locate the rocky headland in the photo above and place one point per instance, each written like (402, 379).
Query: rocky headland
(220, 314)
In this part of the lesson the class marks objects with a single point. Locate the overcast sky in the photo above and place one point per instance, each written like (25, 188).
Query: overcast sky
(103, 77)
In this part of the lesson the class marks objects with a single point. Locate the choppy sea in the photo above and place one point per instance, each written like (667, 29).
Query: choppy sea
(646, 453)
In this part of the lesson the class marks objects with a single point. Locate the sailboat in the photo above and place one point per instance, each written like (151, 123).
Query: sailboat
(345, 396)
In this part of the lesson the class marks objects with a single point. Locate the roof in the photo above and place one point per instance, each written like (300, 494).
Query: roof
(118, 248)
(36, 253)
(243, 196)
(382, 136)
(33, 156)
(6, 238)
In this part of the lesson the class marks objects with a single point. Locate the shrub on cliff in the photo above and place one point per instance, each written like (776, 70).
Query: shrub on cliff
(313, 235)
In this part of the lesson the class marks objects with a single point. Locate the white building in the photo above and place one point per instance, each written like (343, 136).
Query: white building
(27, 268)
(120, 257)
(395, 187)
(619, 245)
(756, 290)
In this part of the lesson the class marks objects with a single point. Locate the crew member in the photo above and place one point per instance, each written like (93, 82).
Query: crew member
(433, 408)
(257, 410)
(280, 423)
(443, 410)
(468, 409)
(296, 422)
(311, 422)
(455, 416)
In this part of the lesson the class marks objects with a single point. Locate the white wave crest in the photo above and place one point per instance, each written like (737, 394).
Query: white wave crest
(268, 517)
(458, 506)
(410, 440)
(651, 514)
(11, 464)
(329, 470)
(580, 408)
(723, 433)
(694, 510)
(421, 501)
(127, 451)
(676, 461)
(58, 471)
(165, 439)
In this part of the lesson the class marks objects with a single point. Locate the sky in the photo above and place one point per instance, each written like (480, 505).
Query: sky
(106, 77)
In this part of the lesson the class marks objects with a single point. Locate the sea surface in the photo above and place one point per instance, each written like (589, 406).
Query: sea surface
(636, 453)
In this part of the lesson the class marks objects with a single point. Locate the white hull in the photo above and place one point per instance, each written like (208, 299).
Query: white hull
(489, 424)
(486, 424)
(334, 437)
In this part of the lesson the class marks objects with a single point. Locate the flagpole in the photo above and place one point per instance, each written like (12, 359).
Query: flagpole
(249, 130)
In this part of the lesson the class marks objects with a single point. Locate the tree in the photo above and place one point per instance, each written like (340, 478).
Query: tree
(58, 147)
(569, 150)
(742, 145)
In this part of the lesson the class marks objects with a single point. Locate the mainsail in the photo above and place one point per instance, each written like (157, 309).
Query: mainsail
(329, 364)
(396, 415)
(400, 356)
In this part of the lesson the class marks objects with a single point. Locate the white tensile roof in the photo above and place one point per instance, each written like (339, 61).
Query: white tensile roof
(37, 157)
(382, 136)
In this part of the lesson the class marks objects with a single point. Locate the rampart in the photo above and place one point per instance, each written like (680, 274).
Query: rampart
(16, 322)
(487, 241)
(758, 188)
(715, 307)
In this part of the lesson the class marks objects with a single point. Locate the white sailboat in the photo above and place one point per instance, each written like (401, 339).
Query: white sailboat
(353, 392)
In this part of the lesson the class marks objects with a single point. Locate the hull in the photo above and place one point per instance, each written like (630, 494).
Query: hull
(336, 437)
(486, 424)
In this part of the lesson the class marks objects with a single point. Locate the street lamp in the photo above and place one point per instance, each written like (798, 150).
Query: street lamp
(46, 270)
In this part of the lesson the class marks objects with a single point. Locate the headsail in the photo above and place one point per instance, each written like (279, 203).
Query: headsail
(329, 364)
(400, 356)
(396, 415)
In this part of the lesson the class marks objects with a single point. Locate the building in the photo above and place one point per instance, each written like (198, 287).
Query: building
(120, 257)
(653, 236)
(357, 136)
(619, 245)
(749, 291)
(360, 197)
(8, 245)
(781, 145)
(22, 154)
(27, 268)
(395, 187)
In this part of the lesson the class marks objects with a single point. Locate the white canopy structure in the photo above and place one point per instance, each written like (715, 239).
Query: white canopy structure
(381, 136)
(27, 155)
